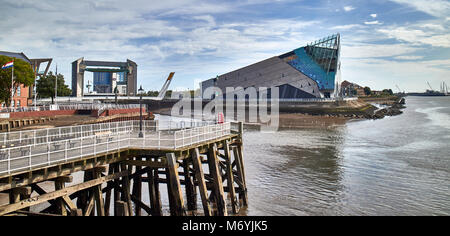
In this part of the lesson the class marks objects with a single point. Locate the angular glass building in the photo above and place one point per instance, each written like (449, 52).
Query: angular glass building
(312, 71)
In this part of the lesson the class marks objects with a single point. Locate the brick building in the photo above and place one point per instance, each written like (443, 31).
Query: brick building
(24, 94)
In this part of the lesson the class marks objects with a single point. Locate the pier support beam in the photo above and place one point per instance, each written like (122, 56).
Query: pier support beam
(191, 193)
(230, 177)
(153, 190)
(240, 174)
(200, 177)
(216, 174)
(137, 189)
(174, 186)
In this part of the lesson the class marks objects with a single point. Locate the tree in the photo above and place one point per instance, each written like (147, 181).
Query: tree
(388, 92)
(367, 91)
(23, 74)
(45, 86)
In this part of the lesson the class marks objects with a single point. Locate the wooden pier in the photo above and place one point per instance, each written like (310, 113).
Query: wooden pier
(202, 165)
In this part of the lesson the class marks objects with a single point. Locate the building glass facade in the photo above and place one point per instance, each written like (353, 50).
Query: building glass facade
(103, 82)
(319, 61)
(312, 71)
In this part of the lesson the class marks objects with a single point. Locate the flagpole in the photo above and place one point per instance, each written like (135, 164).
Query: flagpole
(56, 84)
(12, 86)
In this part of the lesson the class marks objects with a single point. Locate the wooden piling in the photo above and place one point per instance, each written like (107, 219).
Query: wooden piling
(216, 173)
(230, 177)
(126, 196)
(191, 193)
(174, 185)
(240, 173)
(200, 177)
(137, 189)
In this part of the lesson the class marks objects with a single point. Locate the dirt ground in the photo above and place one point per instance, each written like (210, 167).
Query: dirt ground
(302, 120)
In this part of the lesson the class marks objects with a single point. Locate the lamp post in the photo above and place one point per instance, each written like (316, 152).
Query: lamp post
(116, 91)
(141, 92)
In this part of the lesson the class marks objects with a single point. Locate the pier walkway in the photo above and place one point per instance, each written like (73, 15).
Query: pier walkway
(119, 154)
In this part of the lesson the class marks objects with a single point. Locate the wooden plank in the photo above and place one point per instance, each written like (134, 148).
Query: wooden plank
(117, 190)
(156, 194)
(28, 213)
(41, 191)
(59, 201)
(137, 189)
(142, 205)
(109, 186)
(22, 190)
(99, 203)
(153, 191)
(199, 176)
(90, 206)
(65, 179)
(175, 185)
(69, 203)
(141, 163)
(121, 208)
(191, 193)
(240, 170)
(126, 196)
(230, 179)
(218, 185)
(59, 193)
(48, 175)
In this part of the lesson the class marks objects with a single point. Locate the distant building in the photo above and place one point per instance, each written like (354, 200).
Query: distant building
(107, 77)
(23, 95)
(312, 71)
(351, 89)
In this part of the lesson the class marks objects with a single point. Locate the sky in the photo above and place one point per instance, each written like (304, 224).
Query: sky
(384, 42)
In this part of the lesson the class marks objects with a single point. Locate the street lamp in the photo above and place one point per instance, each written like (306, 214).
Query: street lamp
(141, 92)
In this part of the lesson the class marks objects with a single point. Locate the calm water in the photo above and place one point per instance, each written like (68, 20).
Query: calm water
(395, 166)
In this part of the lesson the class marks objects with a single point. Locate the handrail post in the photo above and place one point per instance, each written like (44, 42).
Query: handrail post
(30, 157)
(9, 161)
(35, 137)
(65, 150)
(48, 153)
(159, 140)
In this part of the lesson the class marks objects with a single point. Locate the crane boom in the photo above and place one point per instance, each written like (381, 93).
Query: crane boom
(430, 86)
(163, 91)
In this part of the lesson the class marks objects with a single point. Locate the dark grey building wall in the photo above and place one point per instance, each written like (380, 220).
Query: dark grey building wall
(272, 72)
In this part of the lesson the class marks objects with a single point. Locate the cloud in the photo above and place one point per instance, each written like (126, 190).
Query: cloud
(409, 57)
(366, 50)
(373, 22)
(347, 27)
(349, 8)
(438, 8)
(415, 34)
(200, 39)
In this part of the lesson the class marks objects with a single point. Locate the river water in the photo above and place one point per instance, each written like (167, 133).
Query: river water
(395, 166)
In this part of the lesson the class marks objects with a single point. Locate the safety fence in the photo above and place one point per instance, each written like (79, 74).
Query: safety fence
(41, 148)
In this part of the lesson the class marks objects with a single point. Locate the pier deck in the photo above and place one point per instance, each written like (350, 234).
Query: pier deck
(117, 155)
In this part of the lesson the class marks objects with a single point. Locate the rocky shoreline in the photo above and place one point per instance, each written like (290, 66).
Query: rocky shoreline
(394, 110)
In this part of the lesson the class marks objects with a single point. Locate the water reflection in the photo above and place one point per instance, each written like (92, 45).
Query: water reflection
(395, 166)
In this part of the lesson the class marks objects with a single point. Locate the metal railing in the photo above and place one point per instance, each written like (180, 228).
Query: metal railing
(77, 142)
(81, 106)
